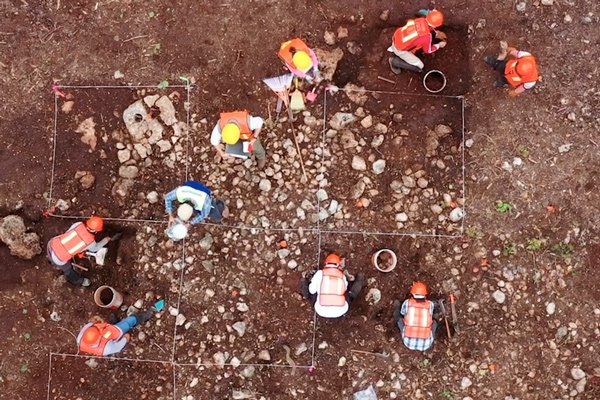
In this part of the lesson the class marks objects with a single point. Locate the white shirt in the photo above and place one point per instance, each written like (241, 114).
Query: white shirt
(216, 138)
(93, 247)
(329, 311)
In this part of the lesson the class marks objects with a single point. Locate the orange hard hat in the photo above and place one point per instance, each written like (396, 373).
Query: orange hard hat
(435, 18)
(419, 289)
(333, 259)
(91, 335)
(525, 67)
(95, 223)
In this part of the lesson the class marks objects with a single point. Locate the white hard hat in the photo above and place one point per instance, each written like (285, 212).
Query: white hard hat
(177, 231)
(185, 211)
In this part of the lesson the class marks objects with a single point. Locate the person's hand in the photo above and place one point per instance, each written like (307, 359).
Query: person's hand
(503, 45)
(510, 50)
(513, 93)
(171, 219)
(441, 45)
(440, 35)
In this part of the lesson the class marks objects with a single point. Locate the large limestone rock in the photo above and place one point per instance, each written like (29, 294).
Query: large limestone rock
(14, 234)
(328, 61)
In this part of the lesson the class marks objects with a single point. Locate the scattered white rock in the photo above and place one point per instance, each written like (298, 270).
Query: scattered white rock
(322, 195)
(118, 75)
(456, 214)
(240, 328)
(341, 120)
(128, 171)
(167, 110)
(373, 296)
(379, 167)
(329, 38)
(359, 164)
(550, 308)
(265, 185)
(401, 217)
(577, 373)
(465, 383)
(264, 355)
(367, 122)
(152, 197)
(499, 296)
(565, 148)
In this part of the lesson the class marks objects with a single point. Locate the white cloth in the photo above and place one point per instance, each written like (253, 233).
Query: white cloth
(93, 247)
(330, 311)
(216, 138)
(407, 57)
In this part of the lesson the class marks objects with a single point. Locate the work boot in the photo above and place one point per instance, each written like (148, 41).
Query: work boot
(304, 288)
(397, 308)
(261, 163)
(357, 285)
(145, 316)
(112, 319)
(395, 70)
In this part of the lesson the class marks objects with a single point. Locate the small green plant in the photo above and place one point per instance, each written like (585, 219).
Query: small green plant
(24, 368)
(425, 363)
(446, 394)
(503, 206)
(471, 232)
(509, 249)
(523, 151)
(534, 244)
(156, 48)
(27, 336)
(563, 249)
(163, 84)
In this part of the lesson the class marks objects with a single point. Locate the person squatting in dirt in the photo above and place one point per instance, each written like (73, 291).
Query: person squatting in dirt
(77, 240)
(193, 198)
(515, 68)
(239, 131)
(415, 319)
(417, 34)
(100, 338)
(329, 291)
(300, 60)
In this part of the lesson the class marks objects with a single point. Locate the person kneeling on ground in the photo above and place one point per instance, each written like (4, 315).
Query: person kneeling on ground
(415, 319)
(300, 60)
(239, 131)
(328, 290)
(78, 239)
(100, 338)
(417, 34)
(193, 197)
(515, 68)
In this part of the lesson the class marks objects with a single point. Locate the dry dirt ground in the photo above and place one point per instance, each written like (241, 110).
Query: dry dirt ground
(234, 287)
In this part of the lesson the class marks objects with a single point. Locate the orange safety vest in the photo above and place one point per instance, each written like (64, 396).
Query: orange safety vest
(241, 119)
(286, 55)
(107, 333)
(513, 77)
(418, 319)
(333, 288)
(71, 243)
(413, 29)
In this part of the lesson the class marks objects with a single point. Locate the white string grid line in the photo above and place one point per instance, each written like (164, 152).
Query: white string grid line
(316, 229)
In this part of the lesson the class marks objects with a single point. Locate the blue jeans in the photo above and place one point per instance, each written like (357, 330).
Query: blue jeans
(127, 324)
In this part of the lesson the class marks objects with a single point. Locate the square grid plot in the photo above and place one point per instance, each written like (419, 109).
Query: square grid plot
(100, 167)
(229, 284)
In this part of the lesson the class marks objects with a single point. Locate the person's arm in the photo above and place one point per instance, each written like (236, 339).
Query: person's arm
(215, 139)
(169, 203)
(429, 47)
(115, 346)
(315, 282)
(199, 217)
(404, 308)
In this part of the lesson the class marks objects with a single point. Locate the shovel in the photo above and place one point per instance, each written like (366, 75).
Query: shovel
(445, 316)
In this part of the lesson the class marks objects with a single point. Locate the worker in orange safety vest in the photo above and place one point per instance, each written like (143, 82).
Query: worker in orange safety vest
(78, 239)
(417, 34)
(328, 290)
(515, 68)
(300, 60)
(415, 319)
(239, 131)
(100, 338)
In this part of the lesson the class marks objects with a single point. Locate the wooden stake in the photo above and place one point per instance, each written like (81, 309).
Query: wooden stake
(297, 145)
(386, 80)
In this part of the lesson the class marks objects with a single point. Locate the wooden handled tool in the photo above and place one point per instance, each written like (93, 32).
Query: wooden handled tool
(454, 315)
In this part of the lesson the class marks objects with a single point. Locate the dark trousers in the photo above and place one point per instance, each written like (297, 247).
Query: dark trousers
(498, 66)
(67, 269)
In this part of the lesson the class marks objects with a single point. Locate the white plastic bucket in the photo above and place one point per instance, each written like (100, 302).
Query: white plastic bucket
(107, 297)
(434, 72)
(177, 231)
(375, 262)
